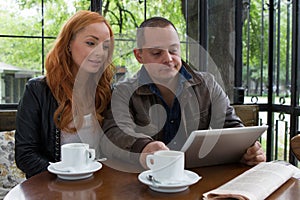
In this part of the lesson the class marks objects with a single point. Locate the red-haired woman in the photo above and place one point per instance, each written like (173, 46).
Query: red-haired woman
(66, 105)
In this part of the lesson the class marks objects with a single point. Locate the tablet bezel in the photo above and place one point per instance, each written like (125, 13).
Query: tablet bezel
(219, 146)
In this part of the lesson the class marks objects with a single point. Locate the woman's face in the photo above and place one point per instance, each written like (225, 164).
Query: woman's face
(90, 47)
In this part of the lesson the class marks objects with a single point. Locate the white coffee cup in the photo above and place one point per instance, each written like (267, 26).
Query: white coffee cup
(77, 156)
(166, 165)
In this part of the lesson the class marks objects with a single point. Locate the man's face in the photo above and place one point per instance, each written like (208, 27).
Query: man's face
(161, 53)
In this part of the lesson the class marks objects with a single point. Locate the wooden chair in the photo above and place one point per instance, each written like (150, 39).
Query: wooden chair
(295, 146)
(248, 114)
(8, 120)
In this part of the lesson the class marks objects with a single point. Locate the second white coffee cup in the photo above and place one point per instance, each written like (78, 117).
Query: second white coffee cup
(77, 155)
(166, 165)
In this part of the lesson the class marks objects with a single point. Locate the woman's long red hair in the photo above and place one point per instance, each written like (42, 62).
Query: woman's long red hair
(61, 71)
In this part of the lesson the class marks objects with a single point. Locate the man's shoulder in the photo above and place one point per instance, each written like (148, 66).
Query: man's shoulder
(126, 86)
(201, 77)
(202, 74)
(127, 82)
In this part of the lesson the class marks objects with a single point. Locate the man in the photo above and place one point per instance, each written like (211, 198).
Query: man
(166, 100)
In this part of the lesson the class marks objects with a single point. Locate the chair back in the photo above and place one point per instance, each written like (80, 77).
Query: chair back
(8, 120)
(248, 114)
(295, 146)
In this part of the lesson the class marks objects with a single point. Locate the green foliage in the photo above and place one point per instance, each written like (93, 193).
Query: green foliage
(126, 15)
(21, 52)
(24, 19)
(259, 40)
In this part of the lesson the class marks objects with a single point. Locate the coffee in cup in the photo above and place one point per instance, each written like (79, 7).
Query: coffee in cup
(166, 165)
(77, 155)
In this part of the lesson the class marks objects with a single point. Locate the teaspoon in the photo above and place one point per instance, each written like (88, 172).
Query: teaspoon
(153, 180)
(101, 159)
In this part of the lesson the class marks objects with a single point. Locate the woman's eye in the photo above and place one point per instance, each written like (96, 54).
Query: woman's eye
(90, 43)
(173, 50)
(105, 47)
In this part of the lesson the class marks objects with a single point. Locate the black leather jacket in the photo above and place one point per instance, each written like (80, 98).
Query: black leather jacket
(37, 138)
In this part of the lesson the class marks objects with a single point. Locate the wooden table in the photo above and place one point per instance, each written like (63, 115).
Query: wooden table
(109, 183)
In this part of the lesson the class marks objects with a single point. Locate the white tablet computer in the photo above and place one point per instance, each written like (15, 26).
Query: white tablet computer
(219, 146)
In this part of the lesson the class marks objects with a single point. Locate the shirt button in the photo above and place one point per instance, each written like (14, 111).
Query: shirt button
(172, 121)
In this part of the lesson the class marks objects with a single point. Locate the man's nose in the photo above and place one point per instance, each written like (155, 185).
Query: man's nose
(167, 56)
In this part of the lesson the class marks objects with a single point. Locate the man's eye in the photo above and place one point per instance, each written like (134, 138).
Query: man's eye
(156, 53)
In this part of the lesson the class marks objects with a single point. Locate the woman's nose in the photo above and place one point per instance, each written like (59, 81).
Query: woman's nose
(98, 50)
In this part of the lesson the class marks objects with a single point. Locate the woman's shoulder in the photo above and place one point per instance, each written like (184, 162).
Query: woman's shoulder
(38, 85)
(37, 82)
(38, 88)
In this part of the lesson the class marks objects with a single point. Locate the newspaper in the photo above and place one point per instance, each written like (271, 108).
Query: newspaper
(257, 183)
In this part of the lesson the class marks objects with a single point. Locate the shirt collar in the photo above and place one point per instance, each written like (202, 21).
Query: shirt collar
(144, 79)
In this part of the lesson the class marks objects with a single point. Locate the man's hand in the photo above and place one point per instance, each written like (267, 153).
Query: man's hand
(150, 149)
(254, 155)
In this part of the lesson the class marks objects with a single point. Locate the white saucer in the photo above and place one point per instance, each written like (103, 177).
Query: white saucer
(88, 172)
(171, 187)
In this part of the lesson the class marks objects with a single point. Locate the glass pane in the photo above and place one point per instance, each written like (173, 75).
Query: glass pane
(21, 40)
(19, 18)
(58, 12)
(124, 57)
(24, 53)
(125, 16)
(263, 121)
(169, 9)
(20, 60)
(256, 51)
(221, 40)
(15, 73)
(281, 136)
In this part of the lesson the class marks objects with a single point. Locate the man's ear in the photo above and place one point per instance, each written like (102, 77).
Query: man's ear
(138, 56)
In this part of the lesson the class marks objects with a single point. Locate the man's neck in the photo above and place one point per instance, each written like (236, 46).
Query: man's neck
(168, 90)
